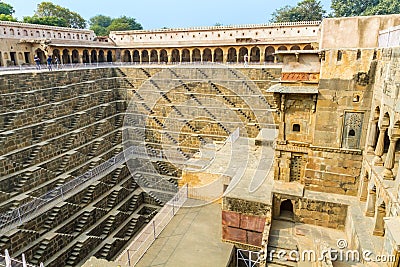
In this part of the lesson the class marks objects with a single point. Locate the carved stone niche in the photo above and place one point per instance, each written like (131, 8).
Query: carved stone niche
(362, 78)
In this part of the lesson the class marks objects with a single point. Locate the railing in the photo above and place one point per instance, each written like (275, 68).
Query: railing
(26, 211)
(7, 261)
(149, 234)
(44, 67)
(223, 27)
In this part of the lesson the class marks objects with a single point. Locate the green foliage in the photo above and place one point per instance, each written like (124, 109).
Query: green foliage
(100, 20)
(6, 9)
(127, 23)
(348, 8)
(48, 9)
(48, 20)
(218, 24)
(4, 17)
(306, 10)
(102, 25)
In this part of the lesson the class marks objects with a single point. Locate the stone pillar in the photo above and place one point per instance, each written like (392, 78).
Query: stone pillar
(201, 57)
(281, 136)
(364, 188)
(225, 58)
(212, 56)
(170, 57)
(180, 57)
(389, 161)
(379, 147)
(379, 229)
(370, 212)
(371, 137)
(81, 59)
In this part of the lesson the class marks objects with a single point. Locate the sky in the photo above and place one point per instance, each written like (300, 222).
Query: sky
(153, 14)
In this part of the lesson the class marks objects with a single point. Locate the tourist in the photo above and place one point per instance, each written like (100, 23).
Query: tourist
(49, 62)
(246, 60)
(37, 61)
(56, 61)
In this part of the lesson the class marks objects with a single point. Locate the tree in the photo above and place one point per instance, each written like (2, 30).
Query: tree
(102, 25)
(124, 23)
(49, 20)
(306, 10)
(348, 8)
(6, 9)
(384, 7)
(4, 17)
(72, 19)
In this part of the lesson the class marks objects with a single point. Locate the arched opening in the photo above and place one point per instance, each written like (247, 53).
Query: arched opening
(295, 47)
(374, 131)
(93, 56)
(196, 56)
(308, 47)
(56, 54)
(185, 55)
(242, 52)
(101, 56)
(85, 58)
(65, 57)
(296, 127)
(232, 55)
(145, 56)
(163, 56)
(386, 141)
(154, 56)
(282, 48)
(175, 56)
(75, 56)
(41, 55)
(136, 56)
(218, 55)
(286, 210)
(207, 55)
(109, 56)
(127, 56)
(269, 54)
(255, 55)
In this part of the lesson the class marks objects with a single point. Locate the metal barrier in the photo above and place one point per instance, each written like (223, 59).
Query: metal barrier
(149, 234)
(24, 212)
(44, 67)
(7, 261)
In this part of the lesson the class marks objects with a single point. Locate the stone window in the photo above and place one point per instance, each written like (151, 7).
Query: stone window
(339, 55)
(358, 54)
(352, 130)
(296, 127)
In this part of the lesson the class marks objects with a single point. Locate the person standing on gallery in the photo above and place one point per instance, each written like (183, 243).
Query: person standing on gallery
(246, 60)
(37, 61)
(49, 62)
